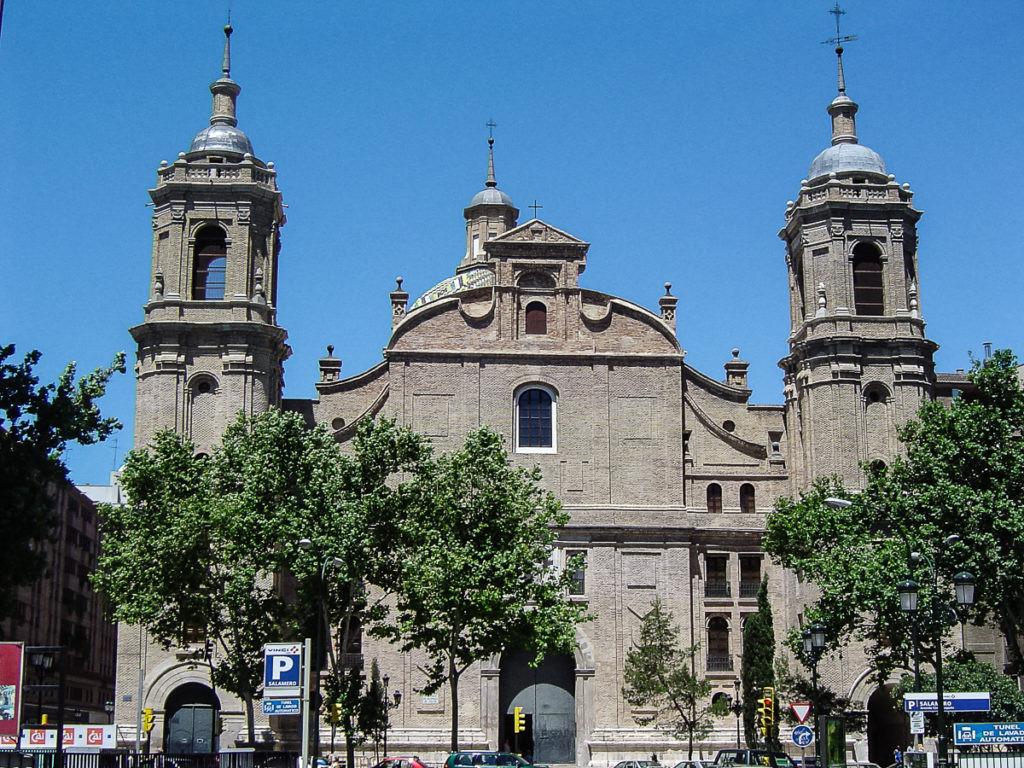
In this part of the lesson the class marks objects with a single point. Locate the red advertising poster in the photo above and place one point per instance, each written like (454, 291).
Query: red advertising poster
(11, 655)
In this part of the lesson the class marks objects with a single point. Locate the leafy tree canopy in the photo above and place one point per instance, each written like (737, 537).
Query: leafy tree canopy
(36, 423)
(962, 474)
(203, 540)
(660, 682)
(472, 575)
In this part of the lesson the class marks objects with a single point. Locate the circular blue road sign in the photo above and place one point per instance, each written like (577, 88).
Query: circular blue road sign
(802, 736)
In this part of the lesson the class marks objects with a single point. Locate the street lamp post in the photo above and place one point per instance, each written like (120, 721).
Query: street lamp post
(814, 644)
(737, 708)
(963, 583)
(387, 707)
(108, 707)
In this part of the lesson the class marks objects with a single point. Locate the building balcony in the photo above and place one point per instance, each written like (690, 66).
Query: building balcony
(719, 663)
(717, 589)
(749, 588)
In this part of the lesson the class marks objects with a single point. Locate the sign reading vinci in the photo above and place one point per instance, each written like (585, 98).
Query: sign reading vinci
(11, 658)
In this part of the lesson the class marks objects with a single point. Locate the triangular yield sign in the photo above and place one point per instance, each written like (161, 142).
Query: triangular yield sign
(800, 711)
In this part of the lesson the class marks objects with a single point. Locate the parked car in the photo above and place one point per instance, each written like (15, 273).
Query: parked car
(401, 762)
(762, 757)
(458, 759)
(694, 764)
(638, 764)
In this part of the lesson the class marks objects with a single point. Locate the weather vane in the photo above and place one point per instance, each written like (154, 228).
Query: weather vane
(839, 39)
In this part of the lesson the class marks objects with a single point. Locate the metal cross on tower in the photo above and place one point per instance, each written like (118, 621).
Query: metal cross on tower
(535, 206)
(839, 39)
(491, 125)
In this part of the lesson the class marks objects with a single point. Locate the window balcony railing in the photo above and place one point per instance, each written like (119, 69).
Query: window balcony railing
(719, 663)
(749, 588)
(716, 589)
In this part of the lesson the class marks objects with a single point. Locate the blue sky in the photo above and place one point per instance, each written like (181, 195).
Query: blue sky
(668, 134)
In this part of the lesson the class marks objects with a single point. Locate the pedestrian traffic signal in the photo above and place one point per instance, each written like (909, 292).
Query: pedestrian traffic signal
(518, 720)
(147, 719)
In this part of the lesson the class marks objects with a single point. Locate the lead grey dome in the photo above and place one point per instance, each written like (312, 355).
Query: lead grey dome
(221, 138)
(844, 158)
(490, 196)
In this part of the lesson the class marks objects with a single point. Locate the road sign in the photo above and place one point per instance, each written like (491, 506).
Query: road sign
(280, 706)
(917, 722)
(802, 736)
(281, 667)
(800, 711)
(972, 701)
(988, 733)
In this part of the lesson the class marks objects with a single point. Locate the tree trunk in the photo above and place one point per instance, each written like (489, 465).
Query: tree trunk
(350, 744)
(453, 682)
(250, 720)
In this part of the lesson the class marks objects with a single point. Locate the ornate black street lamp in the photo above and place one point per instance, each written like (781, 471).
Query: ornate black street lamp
(386, 706)
(937, 620)
(737, 709)
(814, 645)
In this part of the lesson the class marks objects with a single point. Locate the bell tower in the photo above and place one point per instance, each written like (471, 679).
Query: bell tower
(859, 364)
(209, 345)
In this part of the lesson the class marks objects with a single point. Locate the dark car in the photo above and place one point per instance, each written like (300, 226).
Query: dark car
(762, 757)
(457, 759)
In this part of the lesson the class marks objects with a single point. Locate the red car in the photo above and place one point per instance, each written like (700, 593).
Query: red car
(401, 762)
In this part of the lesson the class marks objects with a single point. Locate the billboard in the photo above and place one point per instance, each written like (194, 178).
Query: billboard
(11, 660)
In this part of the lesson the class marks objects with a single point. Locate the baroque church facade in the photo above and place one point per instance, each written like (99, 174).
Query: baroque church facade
(667, 472)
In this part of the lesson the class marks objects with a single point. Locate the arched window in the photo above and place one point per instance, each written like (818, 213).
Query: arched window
(714, 498)
(868, 293)
(210, 271)
(535, 420)
(719, 658)
(747, 499)
(536, 318)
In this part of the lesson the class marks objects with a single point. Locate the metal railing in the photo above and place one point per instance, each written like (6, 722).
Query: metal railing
(719, 663)
(716, 589)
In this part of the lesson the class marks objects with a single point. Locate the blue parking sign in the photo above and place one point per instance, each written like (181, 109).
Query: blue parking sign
(281, 665)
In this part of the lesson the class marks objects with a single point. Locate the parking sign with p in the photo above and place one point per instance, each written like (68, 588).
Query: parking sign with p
(282, 665)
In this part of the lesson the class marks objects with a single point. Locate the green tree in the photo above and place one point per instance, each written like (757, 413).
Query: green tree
(963, 474)
(36, 424)
(203, 542)
(758, 668)
(661, 681)
(471, 575)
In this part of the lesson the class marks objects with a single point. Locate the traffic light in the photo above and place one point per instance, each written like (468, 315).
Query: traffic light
(147, 719)
(334, 712)
(768, 704)
(518, 720)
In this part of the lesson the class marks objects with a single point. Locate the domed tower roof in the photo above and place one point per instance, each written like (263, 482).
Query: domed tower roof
(223, 134)
(846, 155)
(489, 214)
(490, 194)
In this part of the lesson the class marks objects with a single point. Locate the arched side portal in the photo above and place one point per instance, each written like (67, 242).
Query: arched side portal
(547, 695)
(886, 726)
(191, 715)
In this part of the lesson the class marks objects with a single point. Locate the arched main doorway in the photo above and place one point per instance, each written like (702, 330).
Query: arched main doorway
(191, 720)
(547, 697)
(887, 726)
